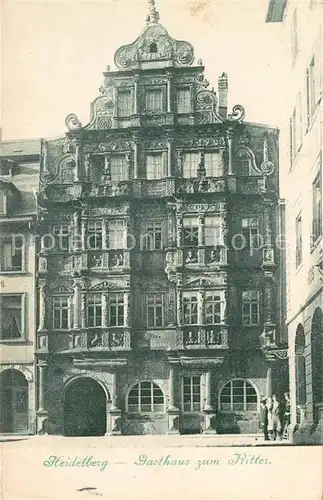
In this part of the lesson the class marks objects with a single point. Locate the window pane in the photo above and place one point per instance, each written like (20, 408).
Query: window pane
(11, 316)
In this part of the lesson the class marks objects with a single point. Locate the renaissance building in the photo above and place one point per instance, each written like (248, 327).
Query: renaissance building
(301, 186)
(160, 274)
(19, 179)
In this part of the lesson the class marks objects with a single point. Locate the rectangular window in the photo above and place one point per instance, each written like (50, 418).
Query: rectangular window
(155, 166)
(61, 235)
(298, 231)
(213, 231)
(313, 83)
(116, 234)
(152, 238)
(154, 101)
(60, 313)
(214, 307)
(190, 165)
(250, 308)
(317, 207)
(213, 165)
(155, 310)
(94, 241)
(118, 168)
(250, 231)
(294, 36)
(11, 314)
(116, 309)
(191, 393)
(190, 231)
(190, 308)
(94, 310)
(12, 254)
(124, 102)
(296, 132)
(184, 101)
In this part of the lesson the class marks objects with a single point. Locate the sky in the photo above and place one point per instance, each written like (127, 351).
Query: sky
(54, 53)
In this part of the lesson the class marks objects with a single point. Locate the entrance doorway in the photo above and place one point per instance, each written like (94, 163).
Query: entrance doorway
(84, 408)
(14, 402)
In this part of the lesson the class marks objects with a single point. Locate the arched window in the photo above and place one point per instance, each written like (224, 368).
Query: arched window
(238, 395)
(146, 397)
(153, 48)
(317, 355)
(300, 372)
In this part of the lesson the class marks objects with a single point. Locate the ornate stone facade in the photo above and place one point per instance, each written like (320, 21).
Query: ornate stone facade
(148, 297)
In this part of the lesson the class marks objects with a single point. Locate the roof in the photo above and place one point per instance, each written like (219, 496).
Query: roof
(276, 9)
(17, 148)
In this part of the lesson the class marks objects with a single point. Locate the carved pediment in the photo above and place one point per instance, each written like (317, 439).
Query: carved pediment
(62, 289)
(217, 279)
(108, 285)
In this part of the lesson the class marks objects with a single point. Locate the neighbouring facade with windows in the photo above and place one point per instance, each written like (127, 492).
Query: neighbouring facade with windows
(160, 304)
(19, 178)
(301, 187)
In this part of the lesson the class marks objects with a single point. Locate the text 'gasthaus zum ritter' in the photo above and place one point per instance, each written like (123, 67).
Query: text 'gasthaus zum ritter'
(235, 459)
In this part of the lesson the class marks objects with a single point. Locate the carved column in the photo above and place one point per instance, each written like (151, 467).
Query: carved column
(83, 310)
(170, 156)
(200, 307)
(127, 309)
(169, 94)
(104, 309)
(201, 230)
(87, 163)
(208, 405)
(84, 233)
(42, 414)
(269, 301)
(104, 234)
(172, 411)
(209, 413)
(179, 307)
(77, 162)
(135, 159)
(171, 227)
(267, 225)
(136, 95)
(114, 413)
(179, 231)
(42, 305)
(229, 146)
(77, 290)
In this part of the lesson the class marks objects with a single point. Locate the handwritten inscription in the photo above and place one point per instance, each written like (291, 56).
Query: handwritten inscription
(170, 461)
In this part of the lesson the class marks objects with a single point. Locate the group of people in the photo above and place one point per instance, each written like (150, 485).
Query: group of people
(275, 417)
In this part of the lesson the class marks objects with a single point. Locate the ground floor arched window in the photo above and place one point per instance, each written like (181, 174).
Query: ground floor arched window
(238, 395)
(146, 397)
(14, 402)
(317, 355)
(300, 371)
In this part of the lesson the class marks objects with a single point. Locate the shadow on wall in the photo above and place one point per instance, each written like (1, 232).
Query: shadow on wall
(237, 423)
(144, 424)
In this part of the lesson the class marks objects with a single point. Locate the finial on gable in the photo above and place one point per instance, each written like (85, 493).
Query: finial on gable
(153, 16)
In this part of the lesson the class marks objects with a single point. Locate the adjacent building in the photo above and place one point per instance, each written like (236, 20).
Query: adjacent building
(301, 186)
(160, 284)
(19, 180)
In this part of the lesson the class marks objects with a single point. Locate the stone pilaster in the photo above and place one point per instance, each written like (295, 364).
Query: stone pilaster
(172, 411)
(113, 413)
(170, 156)
(208, 410)
(127, 311)
(201, 230)
(200, 307)
(41, 414)
(77, 295)
(42, 305)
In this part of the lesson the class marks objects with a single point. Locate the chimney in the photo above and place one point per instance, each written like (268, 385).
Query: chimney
(223, 95)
